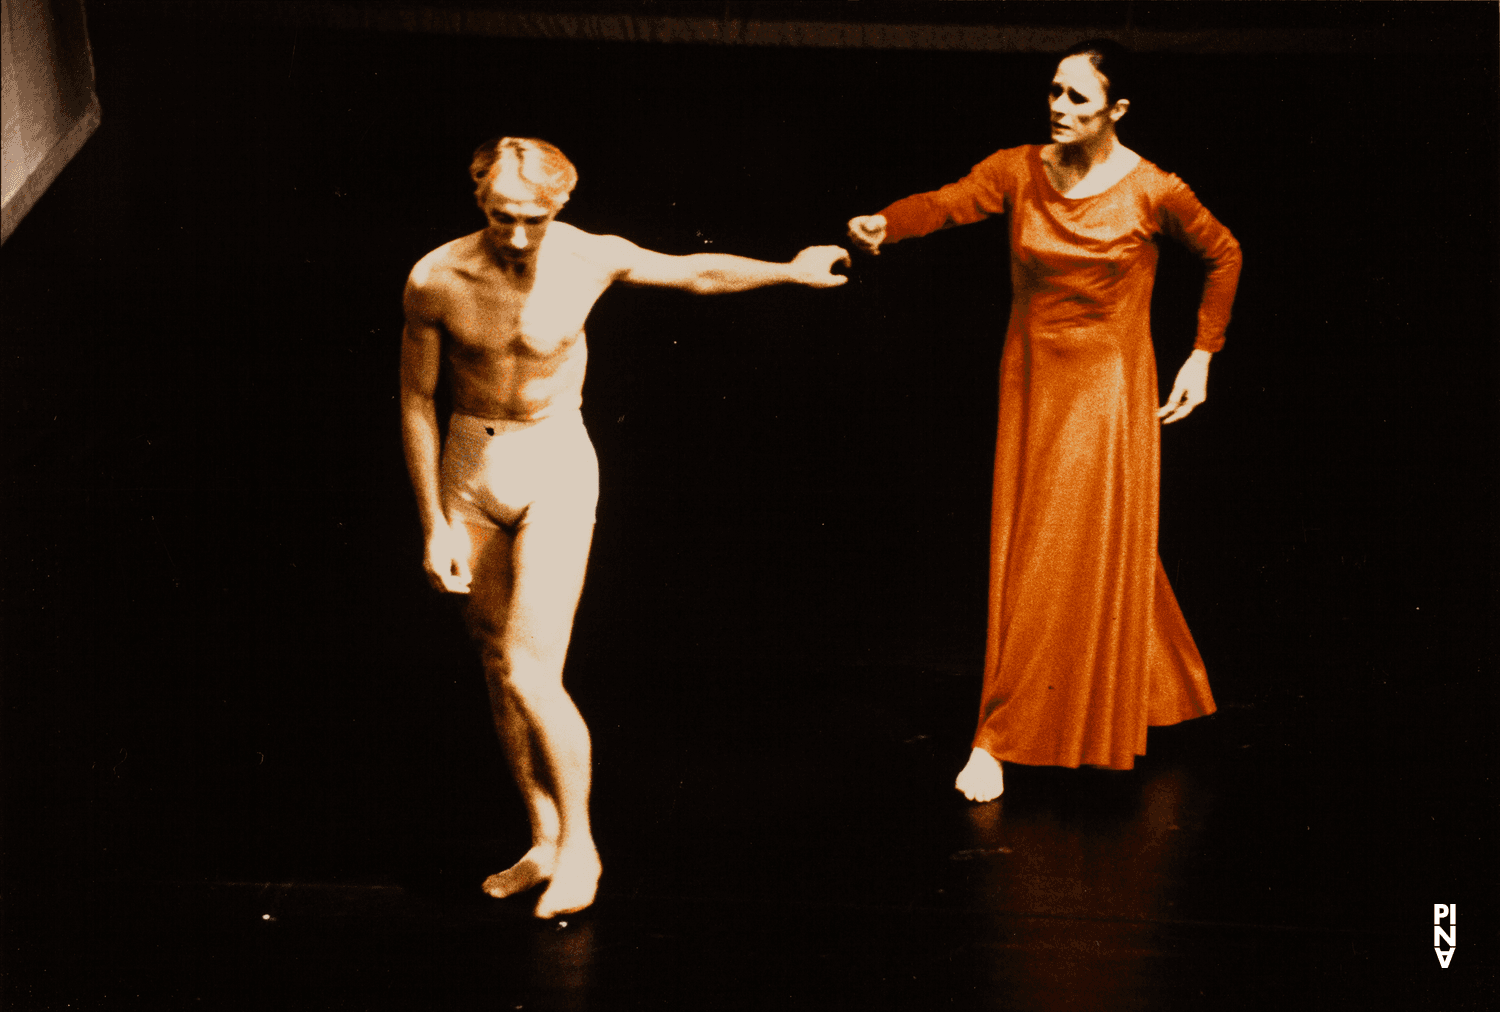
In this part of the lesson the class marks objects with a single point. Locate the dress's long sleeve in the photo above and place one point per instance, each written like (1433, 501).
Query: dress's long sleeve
(976, 196)
(1184, 217)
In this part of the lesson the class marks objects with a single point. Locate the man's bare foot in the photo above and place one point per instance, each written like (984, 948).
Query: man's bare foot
(534, 868)
(575, 876)
(981, 779)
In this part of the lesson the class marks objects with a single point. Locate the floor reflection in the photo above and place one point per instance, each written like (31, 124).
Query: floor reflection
(1077, 881)
(562, 962)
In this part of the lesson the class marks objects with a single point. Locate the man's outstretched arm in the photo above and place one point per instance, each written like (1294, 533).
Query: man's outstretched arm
(719, 273)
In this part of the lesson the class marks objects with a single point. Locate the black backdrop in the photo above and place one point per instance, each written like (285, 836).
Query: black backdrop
(216, 632)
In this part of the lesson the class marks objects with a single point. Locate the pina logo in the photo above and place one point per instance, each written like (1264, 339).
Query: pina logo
(1445, 936)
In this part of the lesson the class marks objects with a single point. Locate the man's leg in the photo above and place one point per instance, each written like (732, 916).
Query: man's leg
(520, 611)
(492, 551)
(536, 864)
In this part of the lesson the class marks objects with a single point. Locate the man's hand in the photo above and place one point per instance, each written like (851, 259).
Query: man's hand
(868, 232)
(1190, 390)
(447, 562)
(814, 266)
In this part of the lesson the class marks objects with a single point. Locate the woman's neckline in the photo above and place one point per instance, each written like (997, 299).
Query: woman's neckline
(1036, 152)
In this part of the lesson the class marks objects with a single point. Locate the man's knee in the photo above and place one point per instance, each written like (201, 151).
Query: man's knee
(518, 670)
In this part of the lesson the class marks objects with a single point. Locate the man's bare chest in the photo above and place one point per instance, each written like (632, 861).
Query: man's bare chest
(538, 319)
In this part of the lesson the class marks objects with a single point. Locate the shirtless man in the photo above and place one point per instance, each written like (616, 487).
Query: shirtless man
(508, 506)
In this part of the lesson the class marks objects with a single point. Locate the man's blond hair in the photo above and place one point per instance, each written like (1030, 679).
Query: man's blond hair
(535, 162)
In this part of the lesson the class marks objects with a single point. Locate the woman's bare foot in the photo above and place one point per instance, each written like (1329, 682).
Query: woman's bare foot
(575, 877)
(534, 868)
(981, 779)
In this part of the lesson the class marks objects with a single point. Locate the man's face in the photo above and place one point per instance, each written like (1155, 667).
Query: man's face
(518, 216)
(1076, 102)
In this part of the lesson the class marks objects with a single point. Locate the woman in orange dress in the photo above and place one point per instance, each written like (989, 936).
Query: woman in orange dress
(1086, 645)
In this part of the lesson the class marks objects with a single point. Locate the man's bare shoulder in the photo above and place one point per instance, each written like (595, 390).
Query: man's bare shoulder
(436, 277)
(611, 253)
(436, 268)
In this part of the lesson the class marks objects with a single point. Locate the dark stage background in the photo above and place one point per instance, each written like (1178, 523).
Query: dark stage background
(222, 662)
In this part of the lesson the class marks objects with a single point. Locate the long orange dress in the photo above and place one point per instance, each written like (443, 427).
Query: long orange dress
(1086, 645)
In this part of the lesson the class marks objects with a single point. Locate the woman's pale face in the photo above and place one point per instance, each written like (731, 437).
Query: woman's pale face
(1076, 103)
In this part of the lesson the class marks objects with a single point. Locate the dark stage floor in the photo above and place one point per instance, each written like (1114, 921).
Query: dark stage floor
(809, 859)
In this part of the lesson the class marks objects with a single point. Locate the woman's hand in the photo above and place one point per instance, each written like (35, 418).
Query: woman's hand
(1190, 390)
(868, 232)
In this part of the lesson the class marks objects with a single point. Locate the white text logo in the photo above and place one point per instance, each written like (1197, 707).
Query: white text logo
(1445, 936)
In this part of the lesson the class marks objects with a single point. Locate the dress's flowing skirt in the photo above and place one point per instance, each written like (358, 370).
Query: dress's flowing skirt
(1086, 645)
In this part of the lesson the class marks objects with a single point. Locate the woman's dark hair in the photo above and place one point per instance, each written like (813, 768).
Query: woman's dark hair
(1114, 62)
